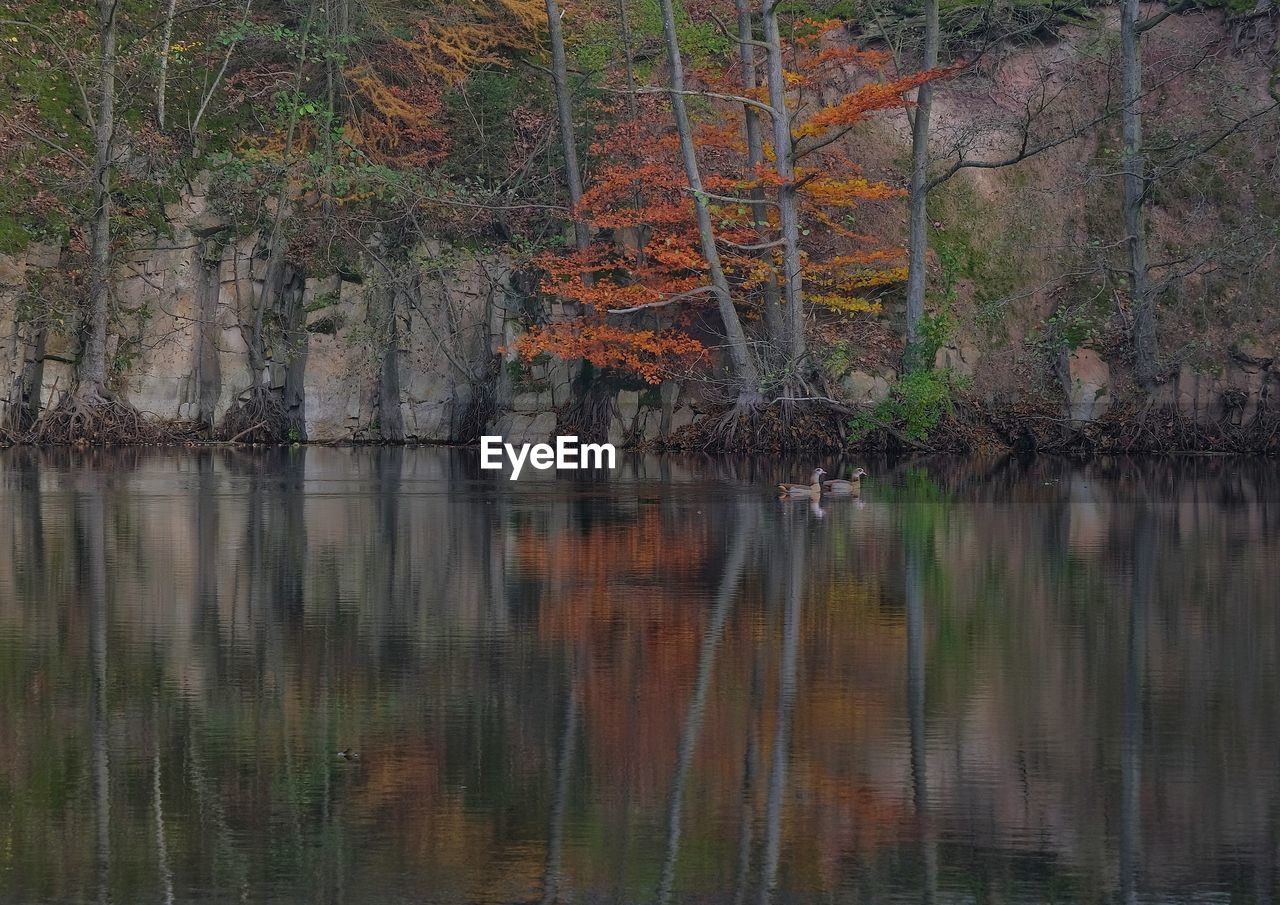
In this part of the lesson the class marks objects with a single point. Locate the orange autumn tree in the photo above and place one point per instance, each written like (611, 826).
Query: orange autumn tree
(844, 266)
(645, 257)
(642, 285)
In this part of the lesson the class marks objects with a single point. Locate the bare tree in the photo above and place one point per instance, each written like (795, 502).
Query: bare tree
(774, 325)
(166, 46)
(92, 385)
(1134, 166)
(788, 201)
(217, 80)
(744, 367)
(1139, 176)
(1033, 130)
(564, 109)
(918, 243)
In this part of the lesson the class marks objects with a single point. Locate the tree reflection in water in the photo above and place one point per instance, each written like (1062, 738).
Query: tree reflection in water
(1012, 680)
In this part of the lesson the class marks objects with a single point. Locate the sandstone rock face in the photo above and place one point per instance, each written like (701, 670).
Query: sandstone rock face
(1193, 393)
(182, 349)
(681, 418)
(1233, 392)
(962, 360)
(1088, 385)
(12, 272)
(863, 388)
(521, 427)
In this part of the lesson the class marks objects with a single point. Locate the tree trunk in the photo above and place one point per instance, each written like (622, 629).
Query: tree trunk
(390, 416)
(771, 854)
(93, 364)
(564, 107)
(788, 204)
(560, 802)
(1141, 584)
(916, 683)
(94, 584)
(918, 243)
(1134, 166)
(739, 354)
(273, 282)
(633, 113)
(166, 44)
(735, 564)
(773, 322)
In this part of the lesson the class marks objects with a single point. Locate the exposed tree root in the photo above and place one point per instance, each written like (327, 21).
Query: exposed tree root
(1157, 430)
(476, 417)
(258, 416)
(588, 416)
(96, 420)
(751, 425)
(822, 425)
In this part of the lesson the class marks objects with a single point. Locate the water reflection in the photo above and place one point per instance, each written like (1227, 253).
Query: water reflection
(983, 680)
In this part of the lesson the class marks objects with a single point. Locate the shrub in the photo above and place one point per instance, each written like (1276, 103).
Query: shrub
(915, 405)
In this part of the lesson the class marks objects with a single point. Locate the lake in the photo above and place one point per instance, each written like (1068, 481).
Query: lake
(982, 681)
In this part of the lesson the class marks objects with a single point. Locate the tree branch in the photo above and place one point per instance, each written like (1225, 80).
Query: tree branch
(736, 38)
(730, 199)
(678, 297)
(1148, 24)
(1024, 152)
(763, 246)
(735, 98)
(36, 136)
(226, 61)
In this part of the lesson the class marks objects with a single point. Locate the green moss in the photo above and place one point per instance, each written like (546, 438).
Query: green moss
(978, 245)
(13, 235)
(701, 43)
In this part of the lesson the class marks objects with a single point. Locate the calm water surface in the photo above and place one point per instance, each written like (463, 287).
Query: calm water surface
(982, 682)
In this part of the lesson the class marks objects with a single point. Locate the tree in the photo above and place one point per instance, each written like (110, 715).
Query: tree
(658, 225)
(788, 204)
(808, 152)
(752, 134)
(92, 384)
(1134, 165)
(564, 111)
(1038, 105)
(641, 195)
(739, 354)
(166, 46)
(918, 243)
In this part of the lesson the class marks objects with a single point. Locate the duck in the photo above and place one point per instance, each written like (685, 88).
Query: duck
(852, 486)
(812, 489)
(348, 754)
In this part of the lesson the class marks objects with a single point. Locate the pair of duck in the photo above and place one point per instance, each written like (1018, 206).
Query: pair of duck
(816, 486)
